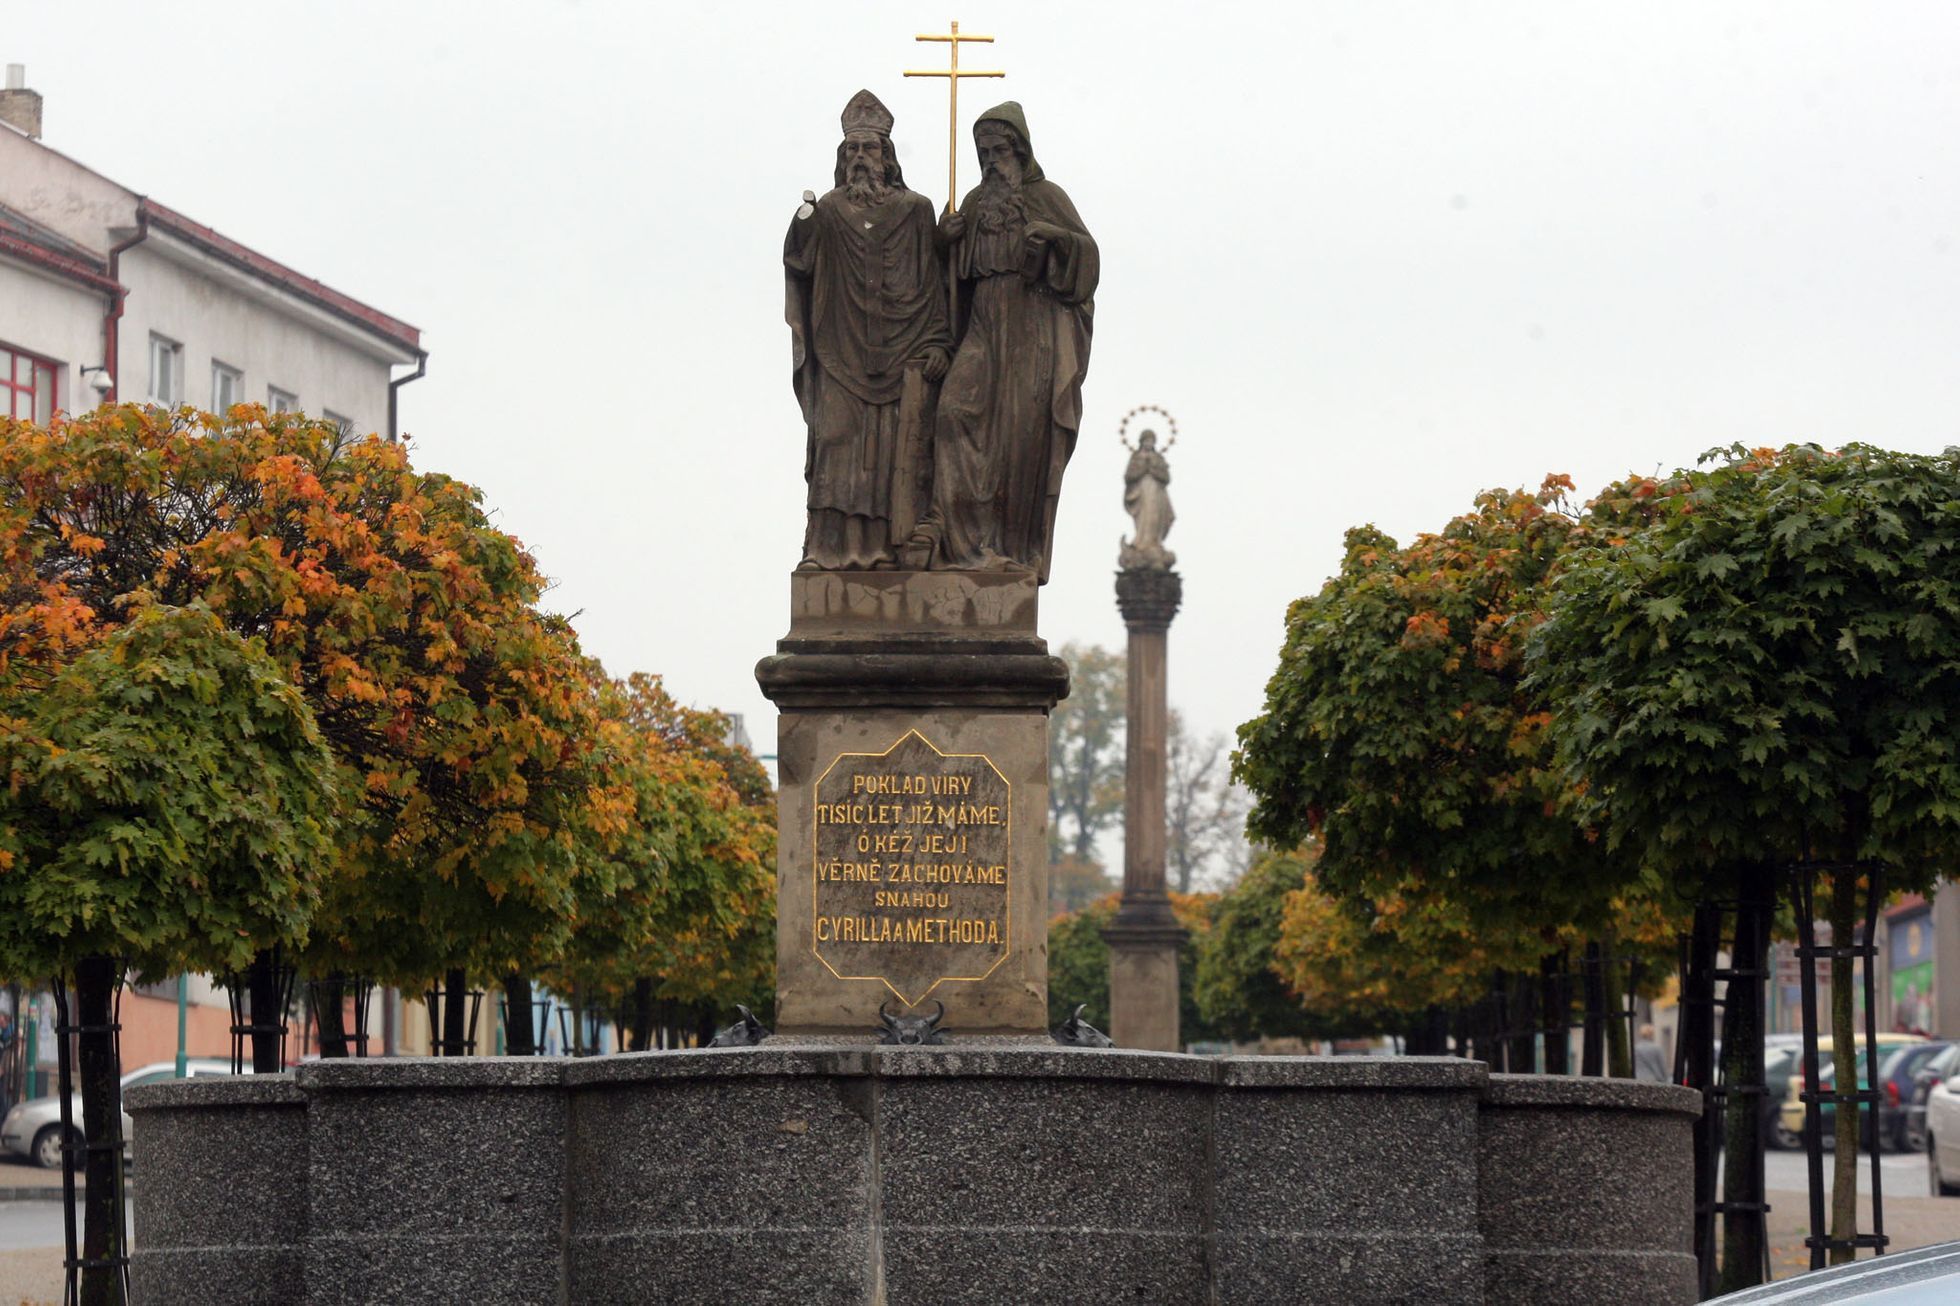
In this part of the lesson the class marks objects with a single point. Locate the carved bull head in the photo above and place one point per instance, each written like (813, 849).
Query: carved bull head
(912, 1030)
(744, 1033)
(1076, 1032)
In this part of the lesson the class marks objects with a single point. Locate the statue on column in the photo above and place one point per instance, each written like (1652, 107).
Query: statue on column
(1011, 405)
(870, 340)
(1147, 498)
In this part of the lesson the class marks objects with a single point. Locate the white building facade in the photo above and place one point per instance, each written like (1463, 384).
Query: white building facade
(106, 294)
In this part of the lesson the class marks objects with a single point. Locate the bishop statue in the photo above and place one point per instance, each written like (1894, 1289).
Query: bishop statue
(869, 341)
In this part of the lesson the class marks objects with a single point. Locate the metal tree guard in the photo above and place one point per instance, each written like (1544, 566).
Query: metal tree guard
(74, 1265)
(451, 1046)
(331, 994)
(540, 1012)
(239, 990)
(579, 1028)
(1861, 954)
(1742, 987)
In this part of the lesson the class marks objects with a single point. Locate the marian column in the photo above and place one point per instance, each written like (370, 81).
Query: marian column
(1145, 937)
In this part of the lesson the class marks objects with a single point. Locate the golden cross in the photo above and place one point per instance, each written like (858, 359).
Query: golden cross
(952, 76)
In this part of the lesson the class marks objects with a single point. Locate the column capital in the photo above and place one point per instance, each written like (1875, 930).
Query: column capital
(1148, 598)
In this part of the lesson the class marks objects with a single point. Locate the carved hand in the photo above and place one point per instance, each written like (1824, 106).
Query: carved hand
(952, 226)
(937, 362)
(1039, 234)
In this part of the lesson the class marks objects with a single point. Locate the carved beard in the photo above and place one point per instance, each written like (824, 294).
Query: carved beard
(999, 206)
(863, 186)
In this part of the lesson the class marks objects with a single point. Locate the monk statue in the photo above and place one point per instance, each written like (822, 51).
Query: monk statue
(869, 342)
(1147, 498)
(1011, 405)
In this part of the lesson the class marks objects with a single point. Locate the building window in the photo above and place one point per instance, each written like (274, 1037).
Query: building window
(26, 386)
(166, 371)
(345, 424)
(227, 387)
(281, 401)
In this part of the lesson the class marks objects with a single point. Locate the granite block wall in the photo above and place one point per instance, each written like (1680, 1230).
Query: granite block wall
(834, 1172)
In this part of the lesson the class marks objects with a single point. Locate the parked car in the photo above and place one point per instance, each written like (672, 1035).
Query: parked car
(1779, 1067)
(1897, 1072)
(1793, 1107)
(33, 1128)
(1925, 1276)
(1943, 1139)
(1943, 1066)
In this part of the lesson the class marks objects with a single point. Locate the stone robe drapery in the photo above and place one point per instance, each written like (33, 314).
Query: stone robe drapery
(864, 298)
(1011, 405)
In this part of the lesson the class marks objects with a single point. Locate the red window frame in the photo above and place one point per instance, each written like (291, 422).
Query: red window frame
(19, 379)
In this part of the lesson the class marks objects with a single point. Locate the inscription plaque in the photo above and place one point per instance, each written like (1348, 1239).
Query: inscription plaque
(911, 867)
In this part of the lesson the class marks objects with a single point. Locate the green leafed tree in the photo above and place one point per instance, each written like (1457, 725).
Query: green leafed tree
(1078, 963)
(169, 806)
(1766, 669)
(1236, 983)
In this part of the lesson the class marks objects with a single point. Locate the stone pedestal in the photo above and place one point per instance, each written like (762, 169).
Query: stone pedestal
(814, 1173)
(912, 761)
(1145, 937)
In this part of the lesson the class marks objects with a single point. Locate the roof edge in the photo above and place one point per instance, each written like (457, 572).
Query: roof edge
(249, 260)
(61, 265)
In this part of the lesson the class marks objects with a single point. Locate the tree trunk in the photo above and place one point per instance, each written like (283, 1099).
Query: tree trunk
(1619, 1053)
(1743, 1251)
(1554, 1011)
(329, 1003)
(1490, 1030)
(268, 1016)
(1697, 1055)
(454, 1005)
(520, 1017)
(1592, 1048)
(1844, 1176)
(1523, 1025)
(704, 1024)
(642, 1008)
(1426, 1036)
(100, 1073)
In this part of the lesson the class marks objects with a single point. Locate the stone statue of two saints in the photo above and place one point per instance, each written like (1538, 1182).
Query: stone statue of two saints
(937, 431)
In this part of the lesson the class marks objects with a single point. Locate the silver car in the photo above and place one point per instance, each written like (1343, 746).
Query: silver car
(33, 1128)
(1929, 1276)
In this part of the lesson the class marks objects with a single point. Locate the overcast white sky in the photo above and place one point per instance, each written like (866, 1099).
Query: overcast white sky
(1374, 257)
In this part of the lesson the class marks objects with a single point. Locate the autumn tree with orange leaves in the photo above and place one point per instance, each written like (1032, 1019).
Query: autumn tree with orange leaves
(487, 801)
(677, 907)
(1398, 735)
(453, 707)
